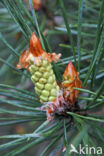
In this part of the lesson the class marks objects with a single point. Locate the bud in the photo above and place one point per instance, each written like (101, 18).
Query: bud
(70, 80)
(37, 4)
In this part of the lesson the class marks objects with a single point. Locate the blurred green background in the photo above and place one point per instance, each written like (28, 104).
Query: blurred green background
(14, 39)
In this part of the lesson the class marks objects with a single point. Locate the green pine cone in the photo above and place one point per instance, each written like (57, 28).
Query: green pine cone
(45, 81)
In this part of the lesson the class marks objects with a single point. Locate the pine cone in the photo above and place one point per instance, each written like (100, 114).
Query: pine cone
(45, 81)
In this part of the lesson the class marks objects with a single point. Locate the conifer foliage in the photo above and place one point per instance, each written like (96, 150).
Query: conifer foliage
(51, 77)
